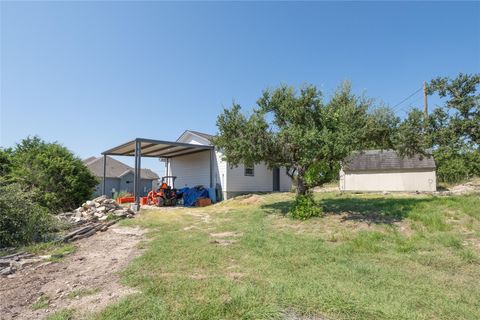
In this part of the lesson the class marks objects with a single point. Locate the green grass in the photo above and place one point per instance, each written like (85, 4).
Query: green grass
(42, 303)
(65, 314)
(369, 257)
(56, 250)
(82, 292)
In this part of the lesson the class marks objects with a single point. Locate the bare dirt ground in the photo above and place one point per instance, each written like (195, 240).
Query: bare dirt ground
(85, 281)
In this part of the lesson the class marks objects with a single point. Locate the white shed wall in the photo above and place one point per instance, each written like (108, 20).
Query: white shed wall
(388, 181)
(262, 181)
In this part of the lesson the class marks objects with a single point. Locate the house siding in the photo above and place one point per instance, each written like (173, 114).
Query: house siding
(191, 170)
(220, 173)
(392, 180)
(262, 181)
(126, 184)
(120, 185)
(111, 183)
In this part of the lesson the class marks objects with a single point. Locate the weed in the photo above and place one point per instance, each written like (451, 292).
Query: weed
(41, 303)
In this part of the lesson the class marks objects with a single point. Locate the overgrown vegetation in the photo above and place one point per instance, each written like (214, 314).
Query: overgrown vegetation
(55, 178)
(451, 132)
(21, 220)
(38, 179)
(366, 257)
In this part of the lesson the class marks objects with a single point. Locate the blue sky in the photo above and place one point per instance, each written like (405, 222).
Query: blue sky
(92, 75)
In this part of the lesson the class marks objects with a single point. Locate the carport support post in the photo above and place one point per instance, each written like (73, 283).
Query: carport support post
(212, 155)
(104, 187)
(136, 175)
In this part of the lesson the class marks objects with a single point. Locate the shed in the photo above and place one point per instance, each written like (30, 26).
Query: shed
(386, 170)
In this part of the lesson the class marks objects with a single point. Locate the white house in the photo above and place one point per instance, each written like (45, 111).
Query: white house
(377, 170)
(194, 169)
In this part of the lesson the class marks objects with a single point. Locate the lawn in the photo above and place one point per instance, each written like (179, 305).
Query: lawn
(369, 257)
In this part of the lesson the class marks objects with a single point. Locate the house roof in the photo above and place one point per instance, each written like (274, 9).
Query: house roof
(89, 159)
(115, 168)
(386, 160)
(207, 136)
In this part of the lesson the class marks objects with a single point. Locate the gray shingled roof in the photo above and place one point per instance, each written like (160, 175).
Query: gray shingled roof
(386, 160)
(115, 168)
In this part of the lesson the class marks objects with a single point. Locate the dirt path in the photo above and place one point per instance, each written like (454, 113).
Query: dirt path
(86, 280)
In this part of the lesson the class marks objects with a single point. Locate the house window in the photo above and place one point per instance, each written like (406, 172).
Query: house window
(249, 171)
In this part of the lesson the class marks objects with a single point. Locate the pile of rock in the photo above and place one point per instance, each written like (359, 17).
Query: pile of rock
(100, 209)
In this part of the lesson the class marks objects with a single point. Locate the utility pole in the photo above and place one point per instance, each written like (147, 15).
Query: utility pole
(425, 106)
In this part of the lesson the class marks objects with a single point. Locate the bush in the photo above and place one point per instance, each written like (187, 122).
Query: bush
(21, 220)
(304, 207)
(455, 167)
(59, 180)
(121, 194)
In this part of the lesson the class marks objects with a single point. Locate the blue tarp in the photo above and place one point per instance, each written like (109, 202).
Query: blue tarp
(190, 195)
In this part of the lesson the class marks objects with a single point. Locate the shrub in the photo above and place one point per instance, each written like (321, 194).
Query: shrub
(305, 207)
(21, 220)
(455, 167)
(59, 180)
(121, 194)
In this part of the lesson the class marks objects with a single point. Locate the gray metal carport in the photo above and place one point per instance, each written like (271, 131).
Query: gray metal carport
(141, 147)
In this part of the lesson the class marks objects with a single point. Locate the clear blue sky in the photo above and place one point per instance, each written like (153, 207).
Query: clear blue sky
(92, 75)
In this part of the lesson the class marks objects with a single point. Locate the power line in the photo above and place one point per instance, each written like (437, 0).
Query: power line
(410, 105)
(393, 108)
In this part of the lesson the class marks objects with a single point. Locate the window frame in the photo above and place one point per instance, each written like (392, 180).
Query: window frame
(245, 168)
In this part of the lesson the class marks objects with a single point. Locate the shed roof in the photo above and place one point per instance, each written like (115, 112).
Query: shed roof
(386, 160)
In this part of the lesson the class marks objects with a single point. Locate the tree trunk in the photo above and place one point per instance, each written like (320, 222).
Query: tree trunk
(301, 187)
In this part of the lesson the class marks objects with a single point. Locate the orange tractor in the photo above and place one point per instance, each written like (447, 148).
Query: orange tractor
(165, 195)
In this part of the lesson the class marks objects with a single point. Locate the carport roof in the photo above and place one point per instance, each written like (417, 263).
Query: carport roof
(156, 148)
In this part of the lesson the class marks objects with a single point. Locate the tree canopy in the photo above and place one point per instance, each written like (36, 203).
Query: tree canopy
(451, 132)
(301, 132)
(49, 173)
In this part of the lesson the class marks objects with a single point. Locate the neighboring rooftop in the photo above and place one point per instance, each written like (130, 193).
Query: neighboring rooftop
(115, 168)
(386, 160)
